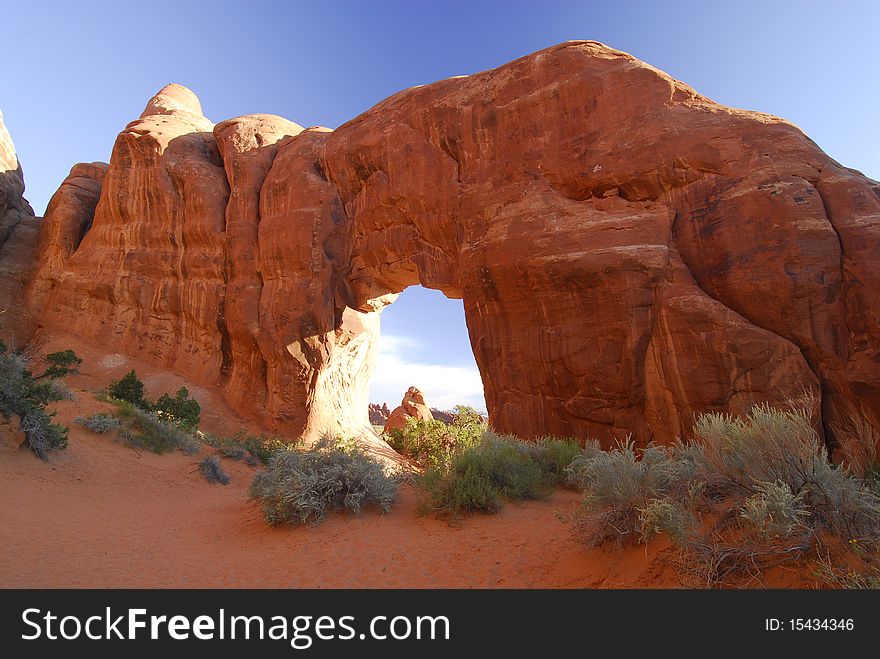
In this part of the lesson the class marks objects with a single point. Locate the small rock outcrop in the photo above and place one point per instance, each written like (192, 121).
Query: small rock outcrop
(378, 413)
(411, 407)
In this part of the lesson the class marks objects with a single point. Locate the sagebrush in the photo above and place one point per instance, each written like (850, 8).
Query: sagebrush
(213, 471)
(746, 493)
(303, 486)
(99, 423)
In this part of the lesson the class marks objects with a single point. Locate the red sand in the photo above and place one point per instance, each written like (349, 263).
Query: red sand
(101, 515)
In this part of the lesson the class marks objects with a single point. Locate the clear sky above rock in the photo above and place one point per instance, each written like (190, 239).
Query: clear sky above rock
(76, 73)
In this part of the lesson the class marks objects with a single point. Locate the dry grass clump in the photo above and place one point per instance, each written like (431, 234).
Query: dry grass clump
(99, 423)
(858, 441)
(213, 471)
(141, 429)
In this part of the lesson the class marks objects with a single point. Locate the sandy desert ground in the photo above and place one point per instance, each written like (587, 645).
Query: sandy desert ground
(101, 514)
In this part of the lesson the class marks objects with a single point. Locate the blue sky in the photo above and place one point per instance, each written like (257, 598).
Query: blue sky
(75, 73)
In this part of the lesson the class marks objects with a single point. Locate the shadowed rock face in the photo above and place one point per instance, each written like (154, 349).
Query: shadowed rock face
(18, 237)
(69, 216)
(13, 206)
(629, 253)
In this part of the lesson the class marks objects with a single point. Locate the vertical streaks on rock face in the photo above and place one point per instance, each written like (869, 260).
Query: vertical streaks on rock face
(69, 216)
(319, 353)
(148, 277)
(248, 146)
(629, 253)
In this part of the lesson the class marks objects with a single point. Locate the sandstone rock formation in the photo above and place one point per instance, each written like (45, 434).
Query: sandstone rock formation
(629, 252)
(69, 216)
(13, 206)
(18, 233)
(412, 406)
(378, 414)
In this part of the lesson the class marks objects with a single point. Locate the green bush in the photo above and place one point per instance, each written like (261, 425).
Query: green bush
(21, 395)
(182, 409)
(130, 389)
(554, 455)
(480, 476)
(99, 423)
(302, 486)
(213, 471)
(145, 430)
(432, 442)
(61, 363)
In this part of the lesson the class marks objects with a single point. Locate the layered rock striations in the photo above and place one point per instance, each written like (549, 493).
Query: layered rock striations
(629, 253)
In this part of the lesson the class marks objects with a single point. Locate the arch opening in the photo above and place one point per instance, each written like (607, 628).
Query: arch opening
(424, 342)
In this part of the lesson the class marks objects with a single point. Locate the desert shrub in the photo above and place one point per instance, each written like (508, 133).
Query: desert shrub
(619, 484)
(464, 416)
(60, 391)
(99, 423)
(841, 575)
(554, 455)
(842, 504)
(858, 439)
(42, 435)
(212, 470)
(61, 363)
(233, 452)
(145, 430)
(776, 446)
(263, 447)
(433, 442)
(182, 409)
(253, 449)
(479, 477)
(21, 395)
(765, 480)
(130, 389)
(735, 557)
(775, 510)
(302, 486)
(766, 446)
(660, 516)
